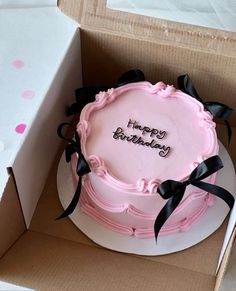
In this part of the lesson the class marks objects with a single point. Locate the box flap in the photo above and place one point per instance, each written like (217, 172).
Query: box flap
(97, 16)
(11, 218)
(73, 8)
(43, 262)
(221, 132)
(216, 14)
(224, 263)
(228, 236)
(45, 59)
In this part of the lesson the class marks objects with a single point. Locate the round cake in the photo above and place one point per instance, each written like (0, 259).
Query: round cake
(135, 137)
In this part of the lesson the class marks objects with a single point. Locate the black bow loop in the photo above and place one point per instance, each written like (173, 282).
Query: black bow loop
(86, 95)
(174, 190)
(131, 76)
(82, 167)
(166, 188)
(217, 109)
(185, 84)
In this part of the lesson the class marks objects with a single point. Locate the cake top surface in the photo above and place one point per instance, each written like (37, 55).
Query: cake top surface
(145, 132)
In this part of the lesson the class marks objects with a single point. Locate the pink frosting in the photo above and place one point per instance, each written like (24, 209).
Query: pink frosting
(120, 191)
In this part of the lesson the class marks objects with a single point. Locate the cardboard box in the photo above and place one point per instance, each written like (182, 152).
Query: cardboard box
(55, 255)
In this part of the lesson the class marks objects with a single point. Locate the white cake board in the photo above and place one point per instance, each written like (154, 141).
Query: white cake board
(107, 238)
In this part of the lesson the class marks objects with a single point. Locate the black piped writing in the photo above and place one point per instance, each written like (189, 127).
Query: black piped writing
(119, 134)
(147, 130)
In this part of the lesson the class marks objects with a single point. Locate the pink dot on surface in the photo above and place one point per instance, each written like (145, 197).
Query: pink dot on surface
(18, 64)
(27, 94)
(20, 128)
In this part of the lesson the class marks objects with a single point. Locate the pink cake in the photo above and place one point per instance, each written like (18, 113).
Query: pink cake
(134, 137)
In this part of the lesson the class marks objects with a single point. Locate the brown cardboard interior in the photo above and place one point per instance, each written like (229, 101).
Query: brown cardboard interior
(55, 255)
(43, 262)
(12, 223)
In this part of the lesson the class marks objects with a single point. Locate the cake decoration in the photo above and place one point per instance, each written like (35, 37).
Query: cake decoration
(217, 109)
(119, 134)
(174, 190)
(82, 167)
(123, 177)
(145, 129)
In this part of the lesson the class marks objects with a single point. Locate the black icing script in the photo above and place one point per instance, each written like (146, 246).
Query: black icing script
(119, 133)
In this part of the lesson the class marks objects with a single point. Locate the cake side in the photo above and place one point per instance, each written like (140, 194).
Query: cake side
(125, 218)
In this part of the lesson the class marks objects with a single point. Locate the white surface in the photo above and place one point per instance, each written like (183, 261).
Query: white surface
(1, 146)
(27, 3)
(165, 244)
(210, 13)
(46, 45)
(7, 286)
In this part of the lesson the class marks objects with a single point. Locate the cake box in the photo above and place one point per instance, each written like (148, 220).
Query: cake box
(112, 43)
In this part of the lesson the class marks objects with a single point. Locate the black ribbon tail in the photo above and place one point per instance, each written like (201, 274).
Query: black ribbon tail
(217, 191)
(69, 151)
(82, 167)
(166, 211)
(71, 207)
(229, 131)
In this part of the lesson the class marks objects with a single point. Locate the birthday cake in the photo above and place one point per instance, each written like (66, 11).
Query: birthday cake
(134, 137)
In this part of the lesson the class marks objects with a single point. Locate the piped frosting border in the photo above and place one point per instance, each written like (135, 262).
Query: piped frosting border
(142, 185)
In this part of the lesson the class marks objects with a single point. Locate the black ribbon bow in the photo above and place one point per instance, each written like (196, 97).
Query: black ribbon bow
(86, 95)
(82, 167)
(217, 109)
(174, 190)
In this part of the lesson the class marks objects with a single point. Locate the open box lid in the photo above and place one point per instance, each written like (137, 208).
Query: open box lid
(199, 42)
(208, 13)
(35, 38)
